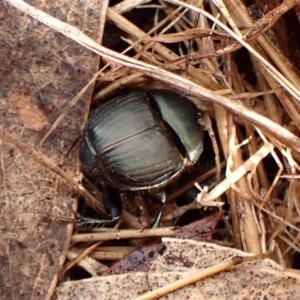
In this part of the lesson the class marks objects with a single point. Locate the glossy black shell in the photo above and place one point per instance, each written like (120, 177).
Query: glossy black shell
(141, 140)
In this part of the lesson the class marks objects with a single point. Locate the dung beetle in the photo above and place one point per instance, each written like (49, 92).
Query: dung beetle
(140, 141)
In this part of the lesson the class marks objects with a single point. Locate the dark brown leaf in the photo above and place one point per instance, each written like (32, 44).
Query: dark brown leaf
(140, 260)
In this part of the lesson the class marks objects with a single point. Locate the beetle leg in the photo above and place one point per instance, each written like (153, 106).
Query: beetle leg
(112, 201)
(161, 198)
(82, 221)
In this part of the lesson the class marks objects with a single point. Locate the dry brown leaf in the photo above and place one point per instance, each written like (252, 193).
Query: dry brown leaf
(40, 73)
(257, 279)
